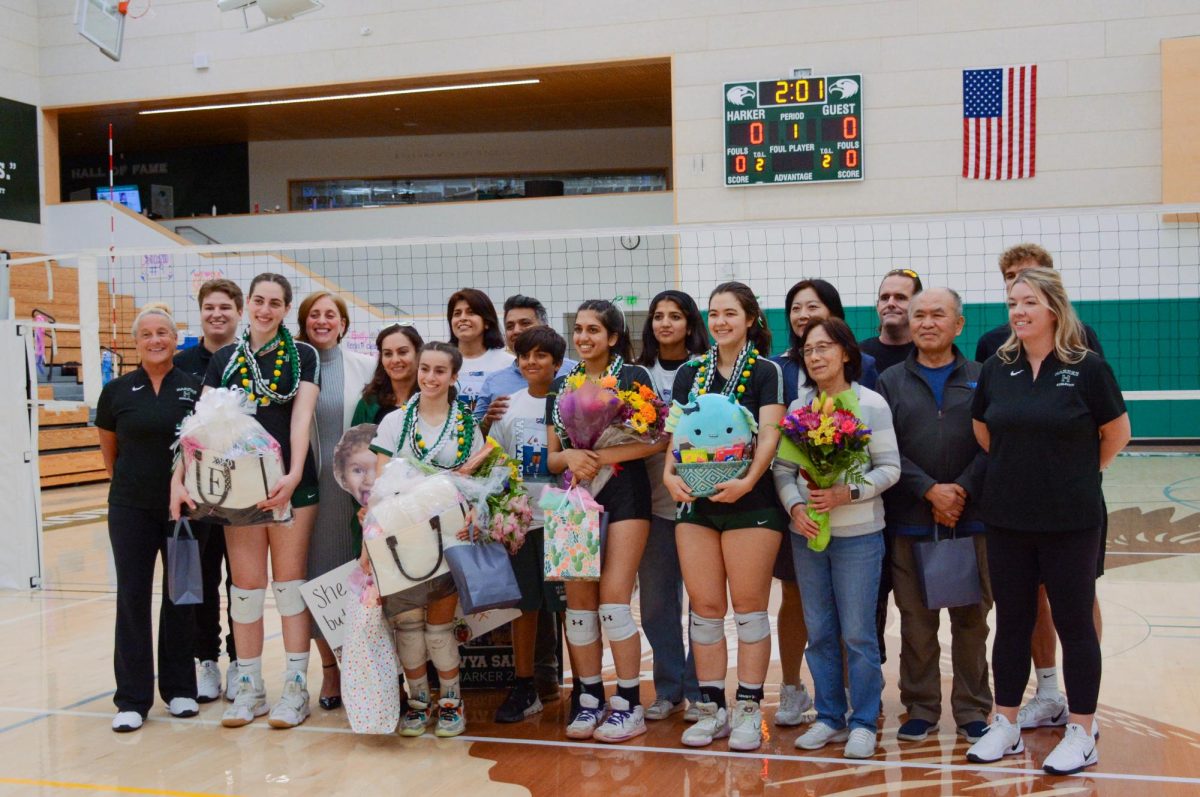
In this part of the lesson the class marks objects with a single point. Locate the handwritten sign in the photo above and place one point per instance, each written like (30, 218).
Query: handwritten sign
(328, 598)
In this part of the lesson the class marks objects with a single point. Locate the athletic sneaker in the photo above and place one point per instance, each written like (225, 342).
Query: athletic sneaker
(231, 682)
(793, 702)
(711, 723)
(1002, 738)
(127, 721)
(292, 708)
(747, 726)
(861, 744)
(182, 707)
(451, 719)
(416, 719)
(1043, 712)
(208, 681)
(916, 730)
(522, 702)
(692, 714)
(249, 701)
(1076, 751)
(549, 690)
(589, 717)
(819, 734)
(662, 708)
(622, 724)
(972, 731)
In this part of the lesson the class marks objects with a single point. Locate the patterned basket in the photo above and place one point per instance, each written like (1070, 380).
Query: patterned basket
(703, 477)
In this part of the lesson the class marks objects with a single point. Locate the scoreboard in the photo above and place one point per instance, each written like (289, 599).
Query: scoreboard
(793, 130)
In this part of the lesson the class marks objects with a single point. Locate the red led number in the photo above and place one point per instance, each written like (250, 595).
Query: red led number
(851, 158)
(756, 132)
(850, 128)
(739, 164)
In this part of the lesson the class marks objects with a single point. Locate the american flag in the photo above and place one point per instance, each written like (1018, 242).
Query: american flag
(999, 122)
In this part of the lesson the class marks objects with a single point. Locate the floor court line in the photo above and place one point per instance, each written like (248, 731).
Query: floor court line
(795, 759)
(60, 784)
(44, 612)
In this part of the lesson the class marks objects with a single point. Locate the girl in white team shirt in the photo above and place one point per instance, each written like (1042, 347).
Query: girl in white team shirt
(475, 331)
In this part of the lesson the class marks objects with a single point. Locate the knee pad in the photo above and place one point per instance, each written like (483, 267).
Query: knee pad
(410, 640)
(288, 600)
(752, 627)
(443, 649)
(617, 620)
(706, 630)
(583, 627)
(246, 605)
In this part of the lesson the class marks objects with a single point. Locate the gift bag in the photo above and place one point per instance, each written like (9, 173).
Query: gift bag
(575, 531)
(370, 680)
(484, 576)
(184, 583)
(949, 571)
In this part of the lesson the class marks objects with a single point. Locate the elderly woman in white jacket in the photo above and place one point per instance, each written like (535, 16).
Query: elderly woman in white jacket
(840, 584)
(324, 320)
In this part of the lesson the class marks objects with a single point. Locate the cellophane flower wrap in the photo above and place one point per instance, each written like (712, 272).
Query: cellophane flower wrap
(491, 482)
(598, 414)
(828, 441)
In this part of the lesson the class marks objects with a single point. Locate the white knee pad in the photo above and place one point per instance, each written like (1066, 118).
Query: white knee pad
(752, 627)
(443, 649)
(410, 640)
(246, 605)
(288, 600)
(617, 620)
(583, 627)
(706, 630)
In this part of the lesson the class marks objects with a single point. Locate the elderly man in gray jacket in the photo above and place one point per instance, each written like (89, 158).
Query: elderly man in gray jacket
(941, 475)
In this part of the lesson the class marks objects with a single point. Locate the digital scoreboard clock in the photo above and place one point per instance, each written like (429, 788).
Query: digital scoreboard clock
(793, 130)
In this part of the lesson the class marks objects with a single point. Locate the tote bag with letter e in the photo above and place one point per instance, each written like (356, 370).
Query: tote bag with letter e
(227, 491)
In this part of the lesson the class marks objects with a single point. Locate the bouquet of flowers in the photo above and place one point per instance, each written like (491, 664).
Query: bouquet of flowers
(829, 442)
(596, 415)
(491, 482)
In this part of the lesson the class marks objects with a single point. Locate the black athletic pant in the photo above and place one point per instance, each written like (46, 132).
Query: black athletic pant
(139, 538)
(208, 614)
(1066, 563)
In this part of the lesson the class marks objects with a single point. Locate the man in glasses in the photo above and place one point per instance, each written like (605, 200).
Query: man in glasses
(894, 342)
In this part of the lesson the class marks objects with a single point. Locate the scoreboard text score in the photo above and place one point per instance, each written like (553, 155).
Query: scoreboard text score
(793, 130)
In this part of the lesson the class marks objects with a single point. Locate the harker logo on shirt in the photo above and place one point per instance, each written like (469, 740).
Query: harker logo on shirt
(1066, 377)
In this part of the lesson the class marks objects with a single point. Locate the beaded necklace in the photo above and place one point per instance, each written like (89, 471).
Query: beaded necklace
(459, 417)
(243, 368)
(614, 369)
(742, 368)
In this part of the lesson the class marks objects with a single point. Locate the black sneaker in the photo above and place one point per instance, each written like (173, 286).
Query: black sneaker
(522, 702)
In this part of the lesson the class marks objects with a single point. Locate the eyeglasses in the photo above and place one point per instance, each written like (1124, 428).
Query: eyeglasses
(819, 348)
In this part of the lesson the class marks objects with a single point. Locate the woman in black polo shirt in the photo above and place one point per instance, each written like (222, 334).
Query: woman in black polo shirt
(1050, 415)
(281, 376)
(137, 416)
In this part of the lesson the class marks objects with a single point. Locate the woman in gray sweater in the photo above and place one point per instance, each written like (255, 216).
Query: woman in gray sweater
(840, 584)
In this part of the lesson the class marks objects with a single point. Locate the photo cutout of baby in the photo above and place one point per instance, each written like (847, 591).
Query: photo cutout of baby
(354, 462)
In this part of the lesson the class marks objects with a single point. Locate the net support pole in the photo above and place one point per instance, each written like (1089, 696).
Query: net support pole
(89, 328)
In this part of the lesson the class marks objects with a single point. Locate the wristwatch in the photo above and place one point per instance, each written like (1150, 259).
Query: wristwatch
(855, 493)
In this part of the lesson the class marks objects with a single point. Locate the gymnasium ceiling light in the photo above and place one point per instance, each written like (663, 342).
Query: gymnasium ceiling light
(332, 97)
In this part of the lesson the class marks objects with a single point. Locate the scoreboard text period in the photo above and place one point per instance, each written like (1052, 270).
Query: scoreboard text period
(793, 130)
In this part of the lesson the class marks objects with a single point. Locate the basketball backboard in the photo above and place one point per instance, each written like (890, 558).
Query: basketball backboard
(101, 23)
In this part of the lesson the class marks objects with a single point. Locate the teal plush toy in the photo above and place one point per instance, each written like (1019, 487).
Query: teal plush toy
(714, 423)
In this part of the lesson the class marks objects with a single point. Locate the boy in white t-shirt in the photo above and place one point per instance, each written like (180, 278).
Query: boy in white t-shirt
(522, 435)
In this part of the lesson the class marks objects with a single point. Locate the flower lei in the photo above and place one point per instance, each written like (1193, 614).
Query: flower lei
(574, 379)
(742, 368)
(459, 417)
(244, 369)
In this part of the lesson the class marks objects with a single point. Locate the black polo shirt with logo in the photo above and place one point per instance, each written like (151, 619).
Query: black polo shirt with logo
(1044, 456)
(194, 360)
(146, 425)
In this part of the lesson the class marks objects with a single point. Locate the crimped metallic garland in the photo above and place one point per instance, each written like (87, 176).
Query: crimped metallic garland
(459, 415)
(742, 367)
(614, 369)
(243, 368)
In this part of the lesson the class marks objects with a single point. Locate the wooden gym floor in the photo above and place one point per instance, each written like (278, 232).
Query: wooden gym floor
(56, 699)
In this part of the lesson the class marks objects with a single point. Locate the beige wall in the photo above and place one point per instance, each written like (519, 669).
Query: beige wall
(273, 163)
(19, 81)
(1181, 120)
(1099, 115)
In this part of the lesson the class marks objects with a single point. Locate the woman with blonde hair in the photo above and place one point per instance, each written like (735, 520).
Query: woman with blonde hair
(1049, 412)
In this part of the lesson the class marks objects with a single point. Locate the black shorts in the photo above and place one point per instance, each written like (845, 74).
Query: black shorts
(742, 515)
(529, 567)
(785, 566)
(306, 493)
(626, 496)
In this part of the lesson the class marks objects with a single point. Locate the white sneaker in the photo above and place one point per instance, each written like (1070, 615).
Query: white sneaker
(711, 723)
(861, 744)
(292, 708)
(182, 707)
(591, 714)
(818, 735)
(747, 726)
(416, 720)
(662, 708)
(1002, 738)
(208, 681)
(127, 721)
(231, 681)
(1076, 751)
(622, 724)
(1043, 712)
(793, 702)
(249, 702)
(452, 720)
(692, 714)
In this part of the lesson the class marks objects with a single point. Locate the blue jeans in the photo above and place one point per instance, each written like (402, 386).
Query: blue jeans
(840, 587)
(660, 585)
